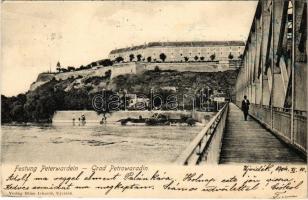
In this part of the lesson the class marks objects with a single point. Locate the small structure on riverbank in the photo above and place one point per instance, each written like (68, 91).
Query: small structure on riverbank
(92, 117)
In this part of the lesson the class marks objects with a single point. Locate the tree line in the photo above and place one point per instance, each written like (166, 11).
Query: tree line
(40, 105)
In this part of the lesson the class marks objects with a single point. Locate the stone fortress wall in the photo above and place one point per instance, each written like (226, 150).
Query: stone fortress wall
(177, 51)
(192, 67)
(135, 68)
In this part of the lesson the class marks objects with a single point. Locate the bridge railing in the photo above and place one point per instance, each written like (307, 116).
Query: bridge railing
(279, 122)
(207, 144)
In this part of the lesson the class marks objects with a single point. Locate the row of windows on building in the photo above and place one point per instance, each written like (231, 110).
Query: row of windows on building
(220, 55)
(178, 52)
(187, 50)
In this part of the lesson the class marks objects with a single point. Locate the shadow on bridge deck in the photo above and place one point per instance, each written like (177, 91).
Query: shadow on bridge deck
(249, 142)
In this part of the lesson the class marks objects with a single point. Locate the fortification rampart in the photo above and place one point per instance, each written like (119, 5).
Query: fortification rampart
(193, 66)
(137, 68)
(116, 70)
(181, 51)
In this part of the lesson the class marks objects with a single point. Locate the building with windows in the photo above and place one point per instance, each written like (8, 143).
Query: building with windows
(194, 51)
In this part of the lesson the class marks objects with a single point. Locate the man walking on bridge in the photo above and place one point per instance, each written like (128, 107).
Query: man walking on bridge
(245, 107)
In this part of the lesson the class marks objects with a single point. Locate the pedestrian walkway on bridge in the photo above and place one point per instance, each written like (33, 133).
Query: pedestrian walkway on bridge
(249, 142)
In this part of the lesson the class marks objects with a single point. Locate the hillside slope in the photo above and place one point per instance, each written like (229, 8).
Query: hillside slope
(77, 93)
(185, 82)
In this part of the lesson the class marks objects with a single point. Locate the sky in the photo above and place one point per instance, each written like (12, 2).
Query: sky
(36, 35)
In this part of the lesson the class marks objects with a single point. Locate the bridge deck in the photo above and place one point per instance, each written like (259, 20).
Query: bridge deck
(249, 142)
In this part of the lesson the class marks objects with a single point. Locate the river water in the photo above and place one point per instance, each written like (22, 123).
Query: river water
(95, 143)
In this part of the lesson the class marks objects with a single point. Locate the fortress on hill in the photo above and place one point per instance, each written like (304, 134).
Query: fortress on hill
(195, 56)
(192, 51)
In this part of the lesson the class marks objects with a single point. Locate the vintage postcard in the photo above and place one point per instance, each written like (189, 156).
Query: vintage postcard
(160, 99)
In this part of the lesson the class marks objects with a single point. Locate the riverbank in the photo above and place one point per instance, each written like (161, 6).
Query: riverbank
(115, 117)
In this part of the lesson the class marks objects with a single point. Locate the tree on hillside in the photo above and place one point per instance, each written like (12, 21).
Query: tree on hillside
(17, 112)
(63, 70)
(156, 69)
(106, 62)
(230, 56)
(131, 57)
(163, 57)
(42, 102)
(149, 59)
(196, 58)
(5, 109)
(119, 59)
(213, 57)
(186, 59)
(93, 64)
(81, 67)
(108, 73)
(240, 56)
(139, 56)
(202, 58)
(70, 68)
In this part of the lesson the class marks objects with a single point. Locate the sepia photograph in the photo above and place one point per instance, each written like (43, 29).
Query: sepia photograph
(173, 83)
